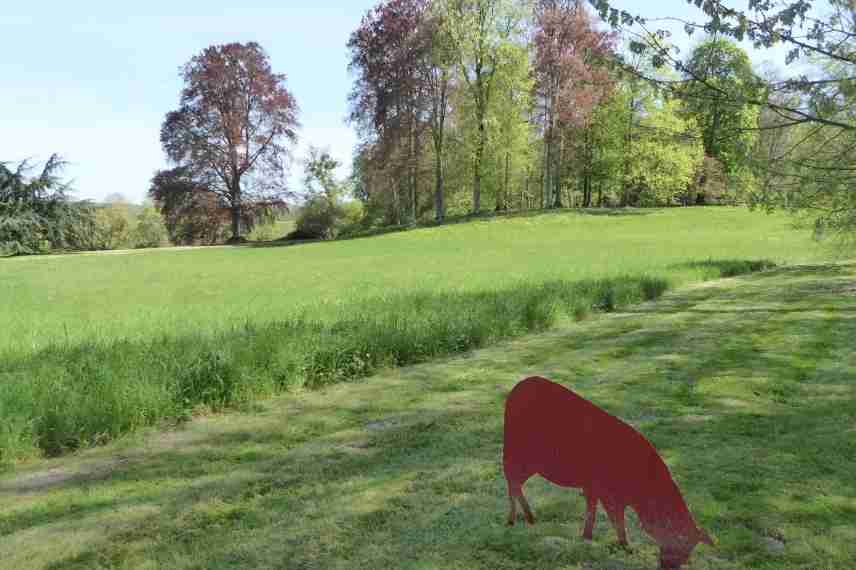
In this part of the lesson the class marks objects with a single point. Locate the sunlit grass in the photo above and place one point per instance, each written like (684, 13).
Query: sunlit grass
(97, 346)
(745, 386)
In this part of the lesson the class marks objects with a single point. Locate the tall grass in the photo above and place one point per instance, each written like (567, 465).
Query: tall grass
(68, 396)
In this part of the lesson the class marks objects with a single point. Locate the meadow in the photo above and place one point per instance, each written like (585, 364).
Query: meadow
(744, 385)
(97, 346)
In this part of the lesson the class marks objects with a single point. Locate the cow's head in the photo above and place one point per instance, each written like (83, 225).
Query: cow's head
(676, 553)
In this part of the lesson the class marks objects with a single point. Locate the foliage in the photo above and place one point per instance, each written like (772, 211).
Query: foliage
(319, 219)
(322, 214)
(721, 72)
(150, 230)
(573, 79)
(112, 227)
(479, 32)
(191, 214)
(666, 155)
(232, 132)
(803, 161)
(36, 214)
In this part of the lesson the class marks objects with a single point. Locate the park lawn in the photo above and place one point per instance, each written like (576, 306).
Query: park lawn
(747, 386)
(93, 347)
(108, 298)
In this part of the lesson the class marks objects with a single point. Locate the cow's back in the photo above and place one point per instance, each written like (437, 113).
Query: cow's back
(569, 441)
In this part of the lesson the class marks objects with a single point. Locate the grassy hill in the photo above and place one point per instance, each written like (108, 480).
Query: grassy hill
(746, 386)
(97, 346)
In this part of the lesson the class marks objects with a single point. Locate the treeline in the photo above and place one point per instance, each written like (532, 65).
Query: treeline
(474, 105)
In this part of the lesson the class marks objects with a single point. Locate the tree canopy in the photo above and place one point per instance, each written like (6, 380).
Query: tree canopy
(234, 128)
(36, 212)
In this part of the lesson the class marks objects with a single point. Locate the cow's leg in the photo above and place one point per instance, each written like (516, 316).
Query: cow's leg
(527, 511)
(615, 512)
(591, 514)
(515, 495)
(512, 514)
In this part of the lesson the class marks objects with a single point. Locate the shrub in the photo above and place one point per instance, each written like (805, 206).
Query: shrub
(112, 227)
(150, 230)
(320, 218)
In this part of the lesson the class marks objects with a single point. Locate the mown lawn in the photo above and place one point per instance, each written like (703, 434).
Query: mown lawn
(93, 347)
(747, 386)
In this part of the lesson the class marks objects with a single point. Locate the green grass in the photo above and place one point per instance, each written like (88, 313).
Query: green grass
(94, 347)
(746, 386)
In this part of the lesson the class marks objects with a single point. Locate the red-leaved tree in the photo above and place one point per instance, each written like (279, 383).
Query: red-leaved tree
(571, 78)
(234, 128)
(401, 89)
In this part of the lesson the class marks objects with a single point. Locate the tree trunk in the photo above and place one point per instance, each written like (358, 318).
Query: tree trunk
(438, 125)
(439, 206)
(524, 195)
(547, 184)
(413, 174)
(396, 202)
(547, 180)
(557, 178)
(236, 212)
(478, 163)
(628, 149)
(502, 203)
(236, 222)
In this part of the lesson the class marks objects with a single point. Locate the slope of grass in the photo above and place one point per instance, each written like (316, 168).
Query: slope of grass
(98, 346)
(45, 300)
(746, 387)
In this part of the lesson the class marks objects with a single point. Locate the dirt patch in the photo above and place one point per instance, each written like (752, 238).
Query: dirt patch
(774, 546)
(842, 287)
(97, 470)
(58, 476)
(383, 425)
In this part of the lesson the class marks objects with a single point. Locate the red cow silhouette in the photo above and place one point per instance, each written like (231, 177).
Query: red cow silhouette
(552, 432)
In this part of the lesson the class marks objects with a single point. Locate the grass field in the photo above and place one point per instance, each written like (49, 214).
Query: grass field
(746, 386)
(97, 346)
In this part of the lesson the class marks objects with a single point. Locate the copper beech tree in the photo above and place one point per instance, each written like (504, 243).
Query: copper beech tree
(234, 128)
(572, 79)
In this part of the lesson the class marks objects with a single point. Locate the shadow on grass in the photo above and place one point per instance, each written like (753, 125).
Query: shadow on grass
(751, 415)
(728, 267)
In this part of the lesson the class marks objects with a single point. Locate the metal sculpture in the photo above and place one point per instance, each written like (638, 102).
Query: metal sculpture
(552, 432)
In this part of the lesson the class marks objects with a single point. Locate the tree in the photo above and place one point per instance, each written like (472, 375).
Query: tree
(150, 230)
(509, 118)
(717, 67)
(192, 213)
(477, 30)
(391, 55)
(234, 127)
(571, 79)
(36, 213)
(438, 77)
(666, 155)
(810, 166)
(112, 227)
(322, 212)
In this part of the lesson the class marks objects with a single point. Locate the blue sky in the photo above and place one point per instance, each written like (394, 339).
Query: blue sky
(92, 80)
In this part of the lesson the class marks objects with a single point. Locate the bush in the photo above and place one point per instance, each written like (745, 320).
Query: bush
(150, 230)
(320, 218)
(112, 228)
